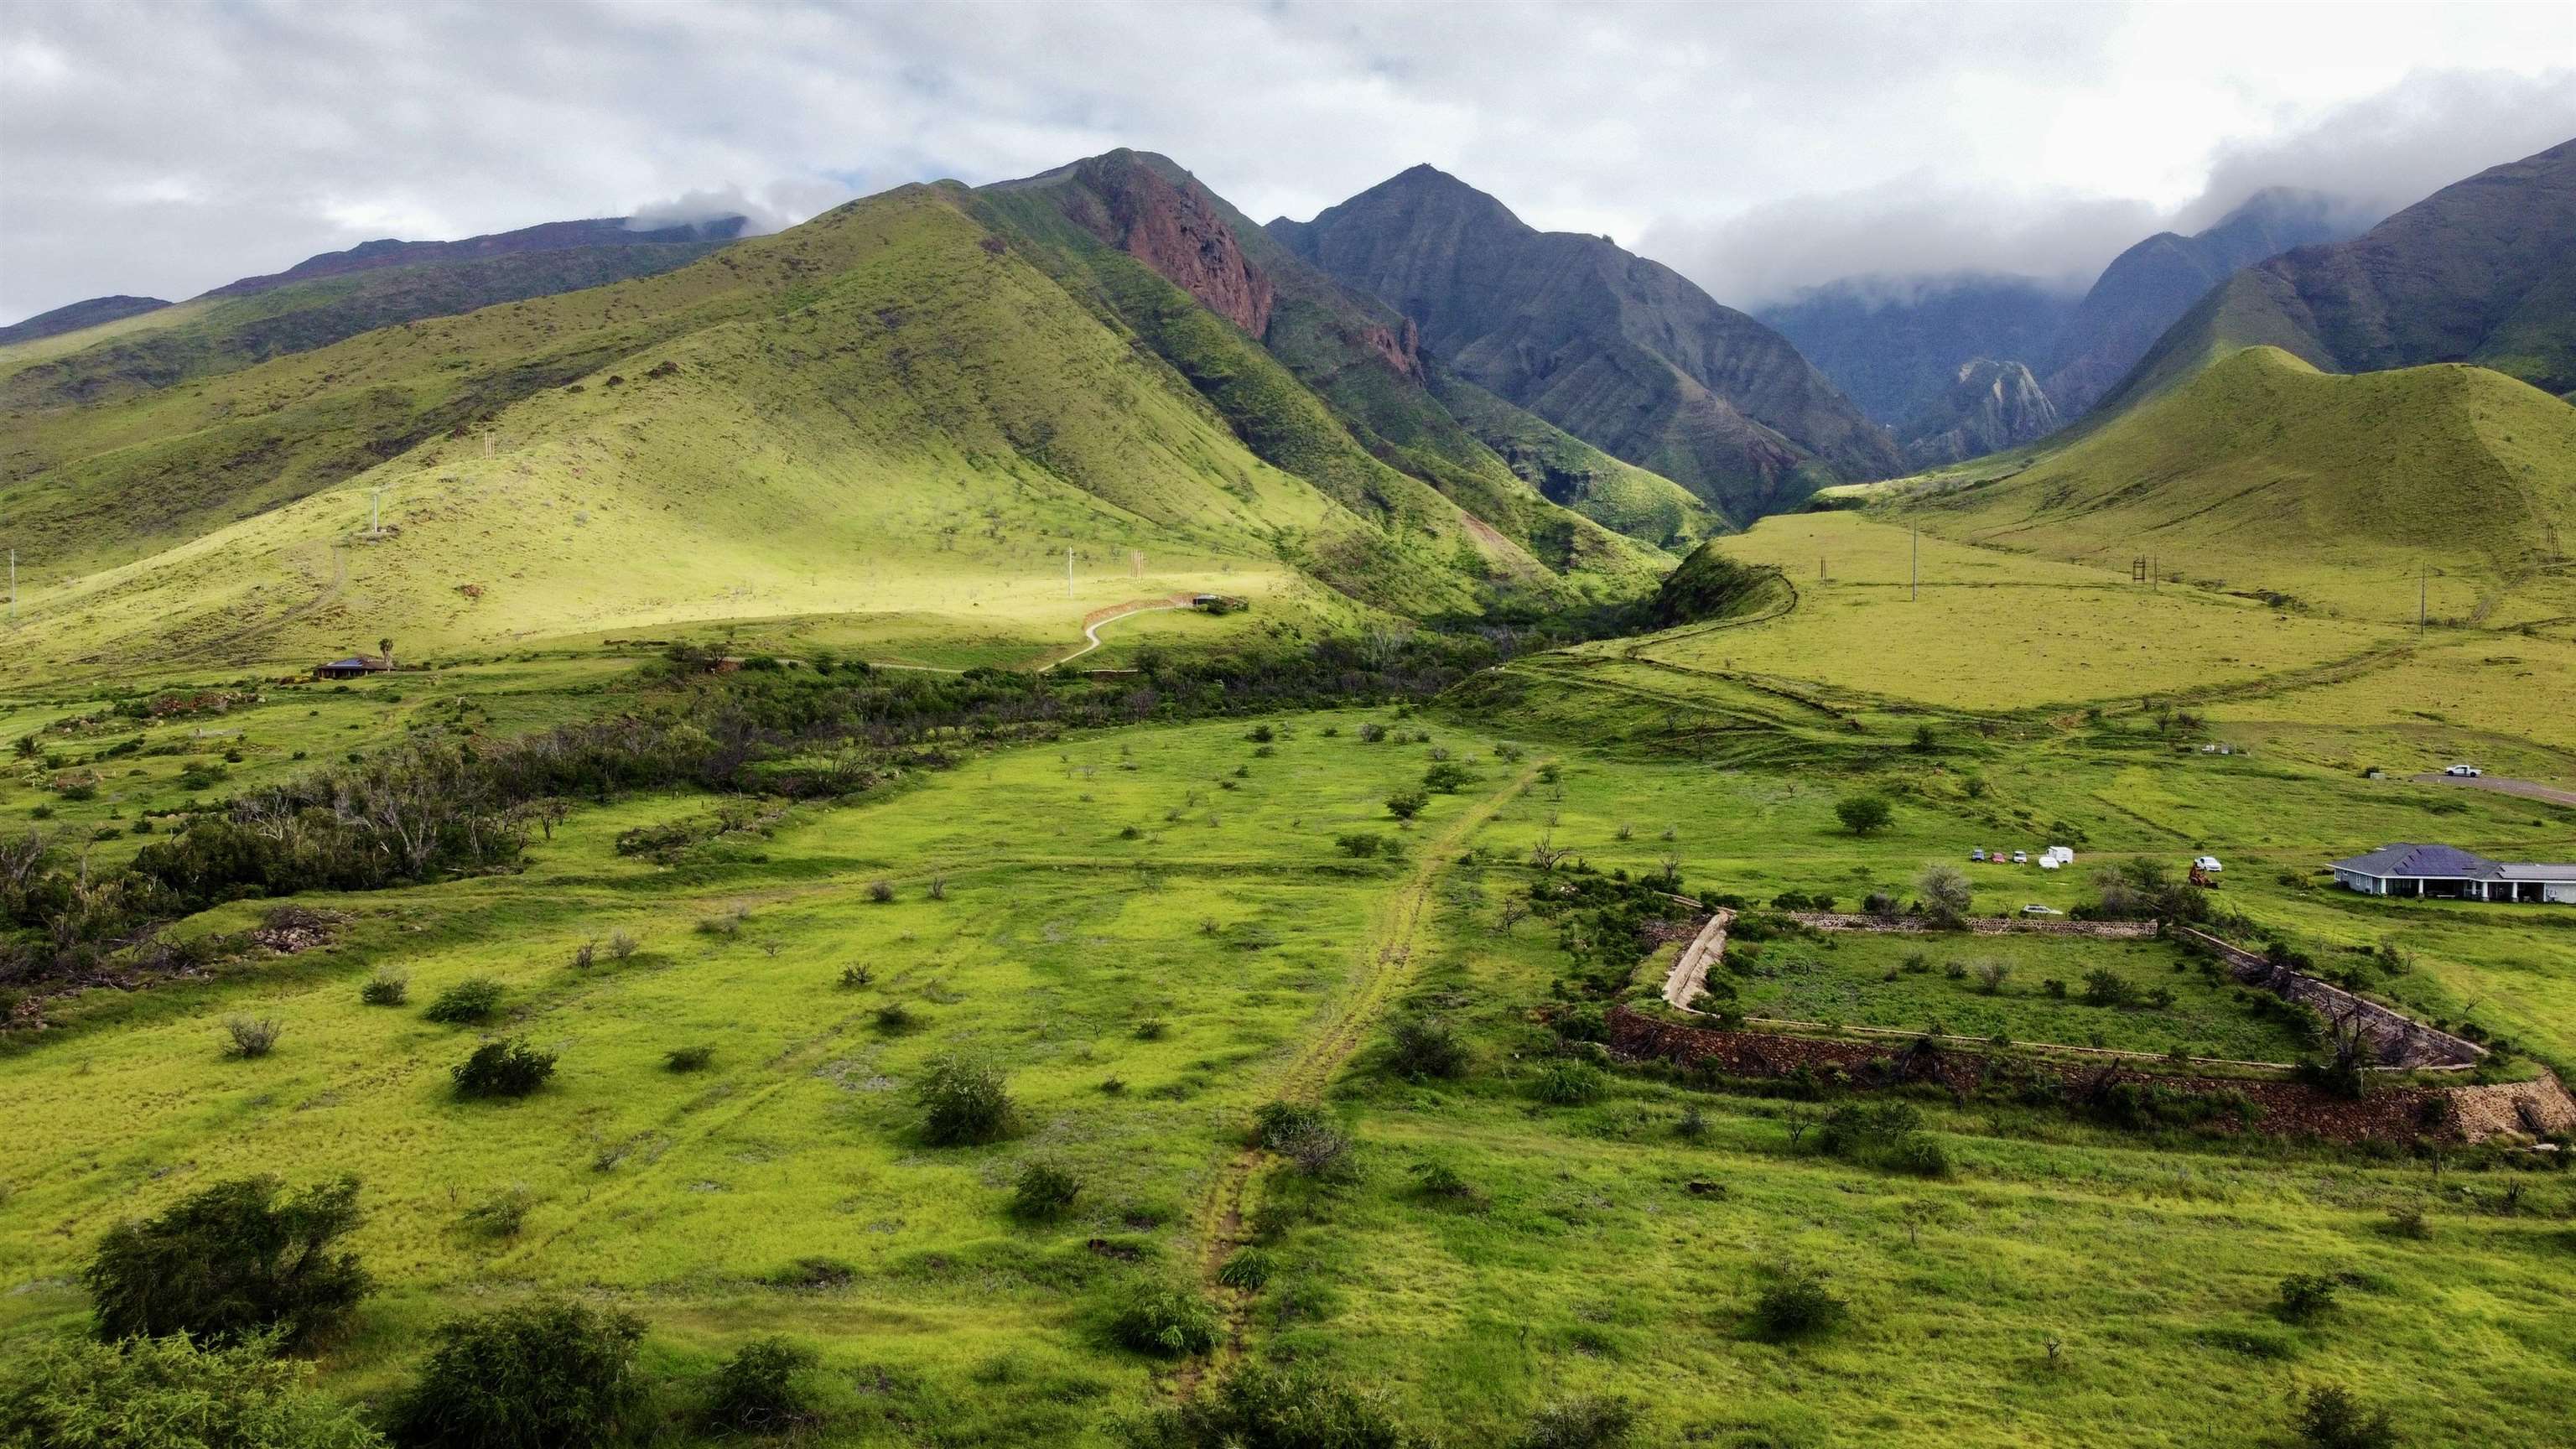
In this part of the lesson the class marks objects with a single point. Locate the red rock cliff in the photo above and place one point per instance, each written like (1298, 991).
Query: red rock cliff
(1173, 230)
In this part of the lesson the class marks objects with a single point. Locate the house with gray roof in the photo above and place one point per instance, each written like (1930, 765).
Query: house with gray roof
(2448, 872)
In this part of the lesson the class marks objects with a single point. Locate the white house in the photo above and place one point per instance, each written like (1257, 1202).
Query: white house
(2443, 871)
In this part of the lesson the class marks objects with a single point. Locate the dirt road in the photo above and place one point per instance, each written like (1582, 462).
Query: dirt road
(2527, 789)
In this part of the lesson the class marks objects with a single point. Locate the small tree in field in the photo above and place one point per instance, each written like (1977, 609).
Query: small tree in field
(1862, 814)
(234, 1260)
(1945, 893)
(964, 1102)
(1405, 804)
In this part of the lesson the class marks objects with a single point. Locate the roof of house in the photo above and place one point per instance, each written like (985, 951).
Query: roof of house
(358, 661)
(2443, 862)
(2437, 861)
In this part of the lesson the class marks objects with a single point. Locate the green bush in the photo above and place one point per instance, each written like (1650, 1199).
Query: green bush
(1044, 1191)
(467, 1002)
(388, 987)
(688, 1058)
(1594, 1421)
(1861, 814)
(1570, 1083)
(757, 1392)
(1405, 804)
(964, 1102)
(1426, 1047)
(1247, 1269)
(1797, 1306)
(1263, 1408)
(503, 1069)
(231, 1261)
(168, 1393)
(543, 1375)
(2306, 1297)
(1447, 777)
(2331, 1418)
(1166, 1321)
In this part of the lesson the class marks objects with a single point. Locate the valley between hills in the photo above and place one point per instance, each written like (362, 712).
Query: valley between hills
(1084, 811)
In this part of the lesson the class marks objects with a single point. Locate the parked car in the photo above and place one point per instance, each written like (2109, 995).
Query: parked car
(2021, 857)
(2036, 909)
(2208, 863)
(2465, 771)
(1978, 854)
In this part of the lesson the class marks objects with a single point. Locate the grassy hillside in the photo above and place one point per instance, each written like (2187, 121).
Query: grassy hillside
(919, 434)
(220, 333)
(2263, 475)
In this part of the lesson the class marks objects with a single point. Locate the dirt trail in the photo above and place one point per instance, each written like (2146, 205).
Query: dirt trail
(1386, 965)
(1092, 621)
(2527, 789)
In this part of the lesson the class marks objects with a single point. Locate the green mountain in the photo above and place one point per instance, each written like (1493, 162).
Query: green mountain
(1404, 409)
(1617, 350)
(917, 412)
(93, 312)
(337, 295)
(2148, 287)
(2263, 475)
(2482, 271)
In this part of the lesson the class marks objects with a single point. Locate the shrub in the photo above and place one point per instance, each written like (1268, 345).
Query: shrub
(756, 1392)
(234, 1260)
(2105, 988)
(503, 1069)
(1264, 1408)
(500, 1215)
(1441, 1181)
(390, 986)
(2408, 1222)
(1946, 894)
(2330, 1417)
(1165, 1320)
(1446, 777)
(2306, 1297)
(535, 1376)
(169, 1393)
(688, 1058)
(893, 1016)
(1405, 804)
(622, 945)
(964, 1102)
(472, 1000)
(1796, 1306)
(1247, 1269)
(1990, 973)
(1593, 1421)
(251, 1036)
(1360, 845)
(1425, 1047)
(881, 891)
(1274, 1123)
(1861, 814)
(854, 977)
(585, 955)
(1152, 1028)
(1570, 1083)
(1043, 1192)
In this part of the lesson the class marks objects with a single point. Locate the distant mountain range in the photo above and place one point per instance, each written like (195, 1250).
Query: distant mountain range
(338, 295)
(1623, 352)
(2483, 271)
(1897, 344)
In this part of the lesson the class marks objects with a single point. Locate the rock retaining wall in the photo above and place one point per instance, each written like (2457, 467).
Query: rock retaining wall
(1977, 925)
(2393, 1114)
(2399, 1040)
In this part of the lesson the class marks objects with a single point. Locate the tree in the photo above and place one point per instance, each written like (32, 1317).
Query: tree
(235, 1260)
(1862, 814)
(1945, 893)
(385, 650)
(543, 1375)
(1405, 804)
(964, 1102)
(1923, 741)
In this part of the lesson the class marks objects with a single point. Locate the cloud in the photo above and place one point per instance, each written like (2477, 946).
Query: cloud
(168, 148)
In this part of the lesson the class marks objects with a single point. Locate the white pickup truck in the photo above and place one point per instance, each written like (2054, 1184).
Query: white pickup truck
(2465, 772)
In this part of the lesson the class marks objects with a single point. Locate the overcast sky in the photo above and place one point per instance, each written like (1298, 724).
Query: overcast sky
(164, 148)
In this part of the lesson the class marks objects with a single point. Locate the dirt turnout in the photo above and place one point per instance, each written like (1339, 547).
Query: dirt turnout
(2527, 789)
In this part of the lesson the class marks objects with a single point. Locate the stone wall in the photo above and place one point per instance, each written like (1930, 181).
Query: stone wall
(1978, 925)
(2398, 1040)
(2290, 1108)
